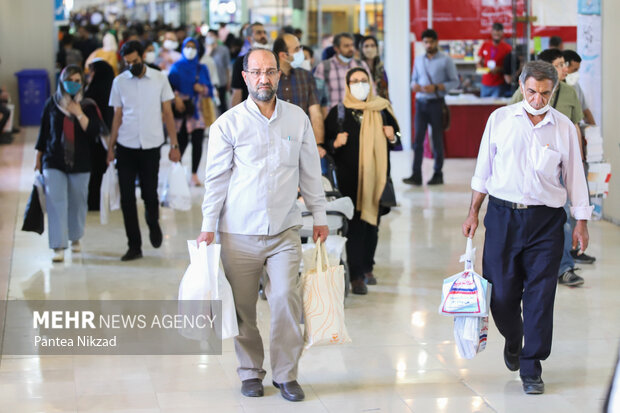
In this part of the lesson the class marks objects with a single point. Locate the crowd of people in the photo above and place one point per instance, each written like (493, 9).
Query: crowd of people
(281, 113)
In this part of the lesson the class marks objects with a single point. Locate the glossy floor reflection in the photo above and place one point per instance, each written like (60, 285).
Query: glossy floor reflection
(402, 359)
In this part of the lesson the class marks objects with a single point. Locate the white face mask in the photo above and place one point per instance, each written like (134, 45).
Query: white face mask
(306, 65)
(535, 112)
(360, 90)
(210, 40)
(572, 78)
(344, 58)
(298, 59)
(189, 53)
(170, 44)
(256, 45)
(149, 57)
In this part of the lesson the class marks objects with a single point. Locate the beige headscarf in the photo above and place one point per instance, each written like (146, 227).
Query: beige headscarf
(373, 158)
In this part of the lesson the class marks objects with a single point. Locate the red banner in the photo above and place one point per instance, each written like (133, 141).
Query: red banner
(472, 19)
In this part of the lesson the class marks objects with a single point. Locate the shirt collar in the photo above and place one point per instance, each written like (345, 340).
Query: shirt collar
(253, 108)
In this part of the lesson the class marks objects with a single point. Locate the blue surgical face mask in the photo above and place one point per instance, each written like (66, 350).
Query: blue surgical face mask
(70, 87)
(344, 58)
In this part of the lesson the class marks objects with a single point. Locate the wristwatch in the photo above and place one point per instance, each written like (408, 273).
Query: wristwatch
(174, 146)
(80, 117)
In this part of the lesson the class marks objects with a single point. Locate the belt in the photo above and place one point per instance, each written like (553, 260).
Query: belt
(511, 205)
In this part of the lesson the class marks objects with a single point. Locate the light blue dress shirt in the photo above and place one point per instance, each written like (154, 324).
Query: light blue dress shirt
(255, 166)
(441, 69)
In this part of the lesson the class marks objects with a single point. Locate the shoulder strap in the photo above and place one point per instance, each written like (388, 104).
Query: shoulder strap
(429, 76)
(557, 96)
(327, 65)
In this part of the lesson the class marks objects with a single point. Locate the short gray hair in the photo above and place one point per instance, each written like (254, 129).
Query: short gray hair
(539, 70)
(246, 58)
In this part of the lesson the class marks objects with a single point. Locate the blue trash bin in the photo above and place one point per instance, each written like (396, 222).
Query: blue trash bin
(34, 89)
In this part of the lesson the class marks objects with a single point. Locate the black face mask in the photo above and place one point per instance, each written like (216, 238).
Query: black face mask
(136, 69)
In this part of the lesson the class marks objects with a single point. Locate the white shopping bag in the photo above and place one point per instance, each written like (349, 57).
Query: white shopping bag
(110, 194)
(470, 334)
(323, 302)
(204, 280)
(176, 190)
(466, 293)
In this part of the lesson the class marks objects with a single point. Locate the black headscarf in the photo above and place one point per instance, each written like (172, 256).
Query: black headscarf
(100, 87)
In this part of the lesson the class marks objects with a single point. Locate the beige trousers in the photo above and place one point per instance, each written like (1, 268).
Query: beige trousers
(243, 258)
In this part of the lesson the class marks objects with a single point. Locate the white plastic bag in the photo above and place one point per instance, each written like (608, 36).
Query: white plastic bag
(204, 279)
(466, 293)
(470, 334)
(176, 190)
(334, 244)
(110, 194)
(323, 302)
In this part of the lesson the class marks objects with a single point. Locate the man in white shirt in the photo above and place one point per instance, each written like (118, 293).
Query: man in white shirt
(140, 96)
(260, 152)
(525, 149)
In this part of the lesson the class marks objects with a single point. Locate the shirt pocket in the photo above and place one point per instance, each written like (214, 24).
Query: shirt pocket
(289, 149)
(548, 161)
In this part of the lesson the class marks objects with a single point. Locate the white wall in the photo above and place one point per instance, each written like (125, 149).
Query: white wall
(611, 92)
(397, 57)
(27, 40)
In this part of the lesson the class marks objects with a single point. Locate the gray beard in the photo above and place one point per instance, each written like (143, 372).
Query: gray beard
(263, 95)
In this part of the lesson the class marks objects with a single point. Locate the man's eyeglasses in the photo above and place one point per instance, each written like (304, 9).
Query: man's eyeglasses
(257, 73)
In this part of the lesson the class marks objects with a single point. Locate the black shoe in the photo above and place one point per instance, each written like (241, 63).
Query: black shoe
(533, 385)
(413, 180)
(359, 287)
(583, 258)
(569, 278)
(437, 179)
(370, 278)
(131, 255)
(291, 391)
(155, 235)
(252, 388)
(512, 358)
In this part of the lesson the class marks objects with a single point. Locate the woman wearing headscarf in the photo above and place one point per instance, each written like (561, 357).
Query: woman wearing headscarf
(190, 82)
(107, 53)
(359, 138)
(69, 128)
(369, 52)
(98, 89)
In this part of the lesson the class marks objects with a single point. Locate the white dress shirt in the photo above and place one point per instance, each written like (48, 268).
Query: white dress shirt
(255, 166)
(141, 100)
(522, 163)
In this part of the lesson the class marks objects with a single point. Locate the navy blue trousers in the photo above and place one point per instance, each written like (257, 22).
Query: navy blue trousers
(522, 253)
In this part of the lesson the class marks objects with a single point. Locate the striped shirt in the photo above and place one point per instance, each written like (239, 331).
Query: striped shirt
(299, 89)
(336, 76)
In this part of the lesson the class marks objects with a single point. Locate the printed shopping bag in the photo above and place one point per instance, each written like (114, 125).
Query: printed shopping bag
(176, 190)
(466, 293)
(323, 302)
(110, 199)
(205, 280)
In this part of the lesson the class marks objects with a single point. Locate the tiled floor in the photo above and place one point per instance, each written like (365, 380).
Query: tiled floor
(402, 359)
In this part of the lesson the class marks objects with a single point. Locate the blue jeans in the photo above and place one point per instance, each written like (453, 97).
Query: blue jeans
(491, 91)
(427, 112)
(66, 202)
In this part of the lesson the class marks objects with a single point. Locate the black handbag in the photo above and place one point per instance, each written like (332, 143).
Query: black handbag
(388, 198)
(33, 216)
(190, 108)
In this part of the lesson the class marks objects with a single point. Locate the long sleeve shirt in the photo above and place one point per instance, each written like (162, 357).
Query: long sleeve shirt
(439, 69)
(522, 162)
(255, 166)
